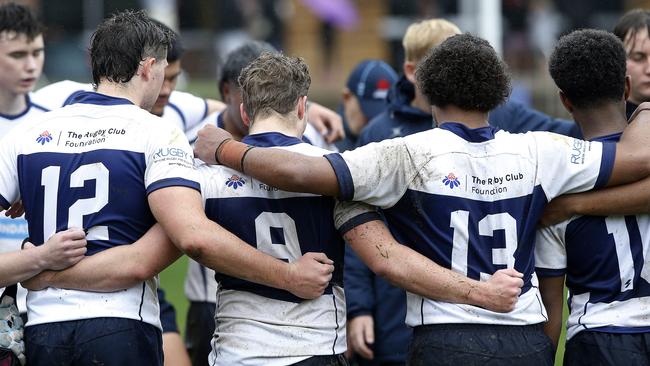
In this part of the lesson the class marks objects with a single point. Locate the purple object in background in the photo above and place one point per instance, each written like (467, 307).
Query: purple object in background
(339, 13)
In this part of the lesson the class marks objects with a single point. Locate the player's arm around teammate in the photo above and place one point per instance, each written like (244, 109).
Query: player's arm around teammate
(60, 251)
(114, 269)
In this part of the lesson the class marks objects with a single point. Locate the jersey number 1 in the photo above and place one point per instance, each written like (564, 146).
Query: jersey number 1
(81, 207)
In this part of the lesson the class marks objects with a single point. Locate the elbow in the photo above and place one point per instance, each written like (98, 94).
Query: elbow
(192, 246)
(382, 268)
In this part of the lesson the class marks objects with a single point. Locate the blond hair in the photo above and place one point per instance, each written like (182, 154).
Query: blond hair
(420, 37)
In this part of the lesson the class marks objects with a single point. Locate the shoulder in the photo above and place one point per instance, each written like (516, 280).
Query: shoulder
(55, 95)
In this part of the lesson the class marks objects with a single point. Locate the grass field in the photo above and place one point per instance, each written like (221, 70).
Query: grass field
(171, 280)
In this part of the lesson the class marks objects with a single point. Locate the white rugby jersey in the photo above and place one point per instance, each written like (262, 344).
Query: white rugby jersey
(184, 110)
(92, 165)
(470, 199)
(604, 259)
(256, 324)
(13, 231)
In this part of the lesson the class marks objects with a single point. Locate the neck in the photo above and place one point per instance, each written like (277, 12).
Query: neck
(606, 119)
(12, 104)
(471, 119)
(119, 91)
(232, 126)
(420, 102)
(277, 123)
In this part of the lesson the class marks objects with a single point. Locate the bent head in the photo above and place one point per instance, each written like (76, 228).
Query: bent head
(172, 71)
(464, 71)
(127, 45)
(276, 84)
(235, 62)
(633, 29)
(21, 49)
(588, 66)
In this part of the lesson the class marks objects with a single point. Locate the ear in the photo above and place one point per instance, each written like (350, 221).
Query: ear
(146, 67)
(409, 70)
(566, 102)
(244, 115)
(346, 94)
(302, 107)
(628, 86)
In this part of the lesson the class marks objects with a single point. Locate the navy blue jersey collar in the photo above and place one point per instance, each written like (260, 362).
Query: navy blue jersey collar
(609, 138)
(270, 139)
(480, 134)
(28, 105)
(98, 99)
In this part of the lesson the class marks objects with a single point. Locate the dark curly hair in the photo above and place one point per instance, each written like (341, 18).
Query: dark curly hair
(20, 19)
(464, 71)
(588, 65)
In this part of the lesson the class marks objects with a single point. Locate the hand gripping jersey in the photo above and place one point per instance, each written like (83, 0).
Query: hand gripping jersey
(184, 110)
(91, 165)
(13, 231)
(470, 199)
(605, 260)
(259, 325)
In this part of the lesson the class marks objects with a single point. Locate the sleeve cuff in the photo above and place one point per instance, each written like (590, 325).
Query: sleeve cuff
(205, 109)
(173, 182)
(550, 272)
(606, 164)
(358, 220)
(343, 176)
(360, 312)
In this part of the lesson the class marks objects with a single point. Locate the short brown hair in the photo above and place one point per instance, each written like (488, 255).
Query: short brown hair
(273, 82)
(422, 36)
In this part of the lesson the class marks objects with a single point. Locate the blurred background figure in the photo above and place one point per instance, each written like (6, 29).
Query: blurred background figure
(363, 98)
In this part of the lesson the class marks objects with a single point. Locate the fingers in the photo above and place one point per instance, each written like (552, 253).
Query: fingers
(512, 272)
(320, 257)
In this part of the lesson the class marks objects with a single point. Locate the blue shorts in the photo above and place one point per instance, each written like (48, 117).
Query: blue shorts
(97, 341)
(599, 348)
(479, 344)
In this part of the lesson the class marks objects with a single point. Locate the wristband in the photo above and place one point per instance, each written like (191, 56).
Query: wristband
(244, 157)
(216, 151)
(231, 154)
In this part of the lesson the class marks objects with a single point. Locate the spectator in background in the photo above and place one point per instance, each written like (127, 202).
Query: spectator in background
(364, 97)
(633, 29)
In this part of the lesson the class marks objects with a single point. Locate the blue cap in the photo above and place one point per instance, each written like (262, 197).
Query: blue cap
(370, 81)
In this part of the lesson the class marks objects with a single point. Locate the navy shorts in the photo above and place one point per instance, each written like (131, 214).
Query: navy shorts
(167, 314)
(199, 331)
(598, 348)
(479, 344)
(97, 341)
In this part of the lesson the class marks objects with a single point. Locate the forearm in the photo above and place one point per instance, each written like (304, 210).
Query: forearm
(627, 199)
(632, 162)
(551, 289)
(214, 106)
(410, 270)
(286, 170)
(226, 253)
(120, 267)
(20, 265)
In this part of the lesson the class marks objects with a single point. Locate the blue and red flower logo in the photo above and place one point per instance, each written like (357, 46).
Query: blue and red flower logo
(451, 181)
(235, 181)
(44, 137)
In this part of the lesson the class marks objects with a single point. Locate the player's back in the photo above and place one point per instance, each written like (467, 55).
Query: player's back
(91, 165)
(469, 199)
(258, 324)
(605, 259)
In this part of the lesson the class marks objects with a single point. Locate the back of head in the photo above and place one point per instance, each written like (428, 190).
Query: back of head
(369, 82)
(175, 50)
(464, 71)
(630, 23)
(122, 41)
(239, 58)
(18, 19)
(420, 37)
(589, 67)
(273, 83)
